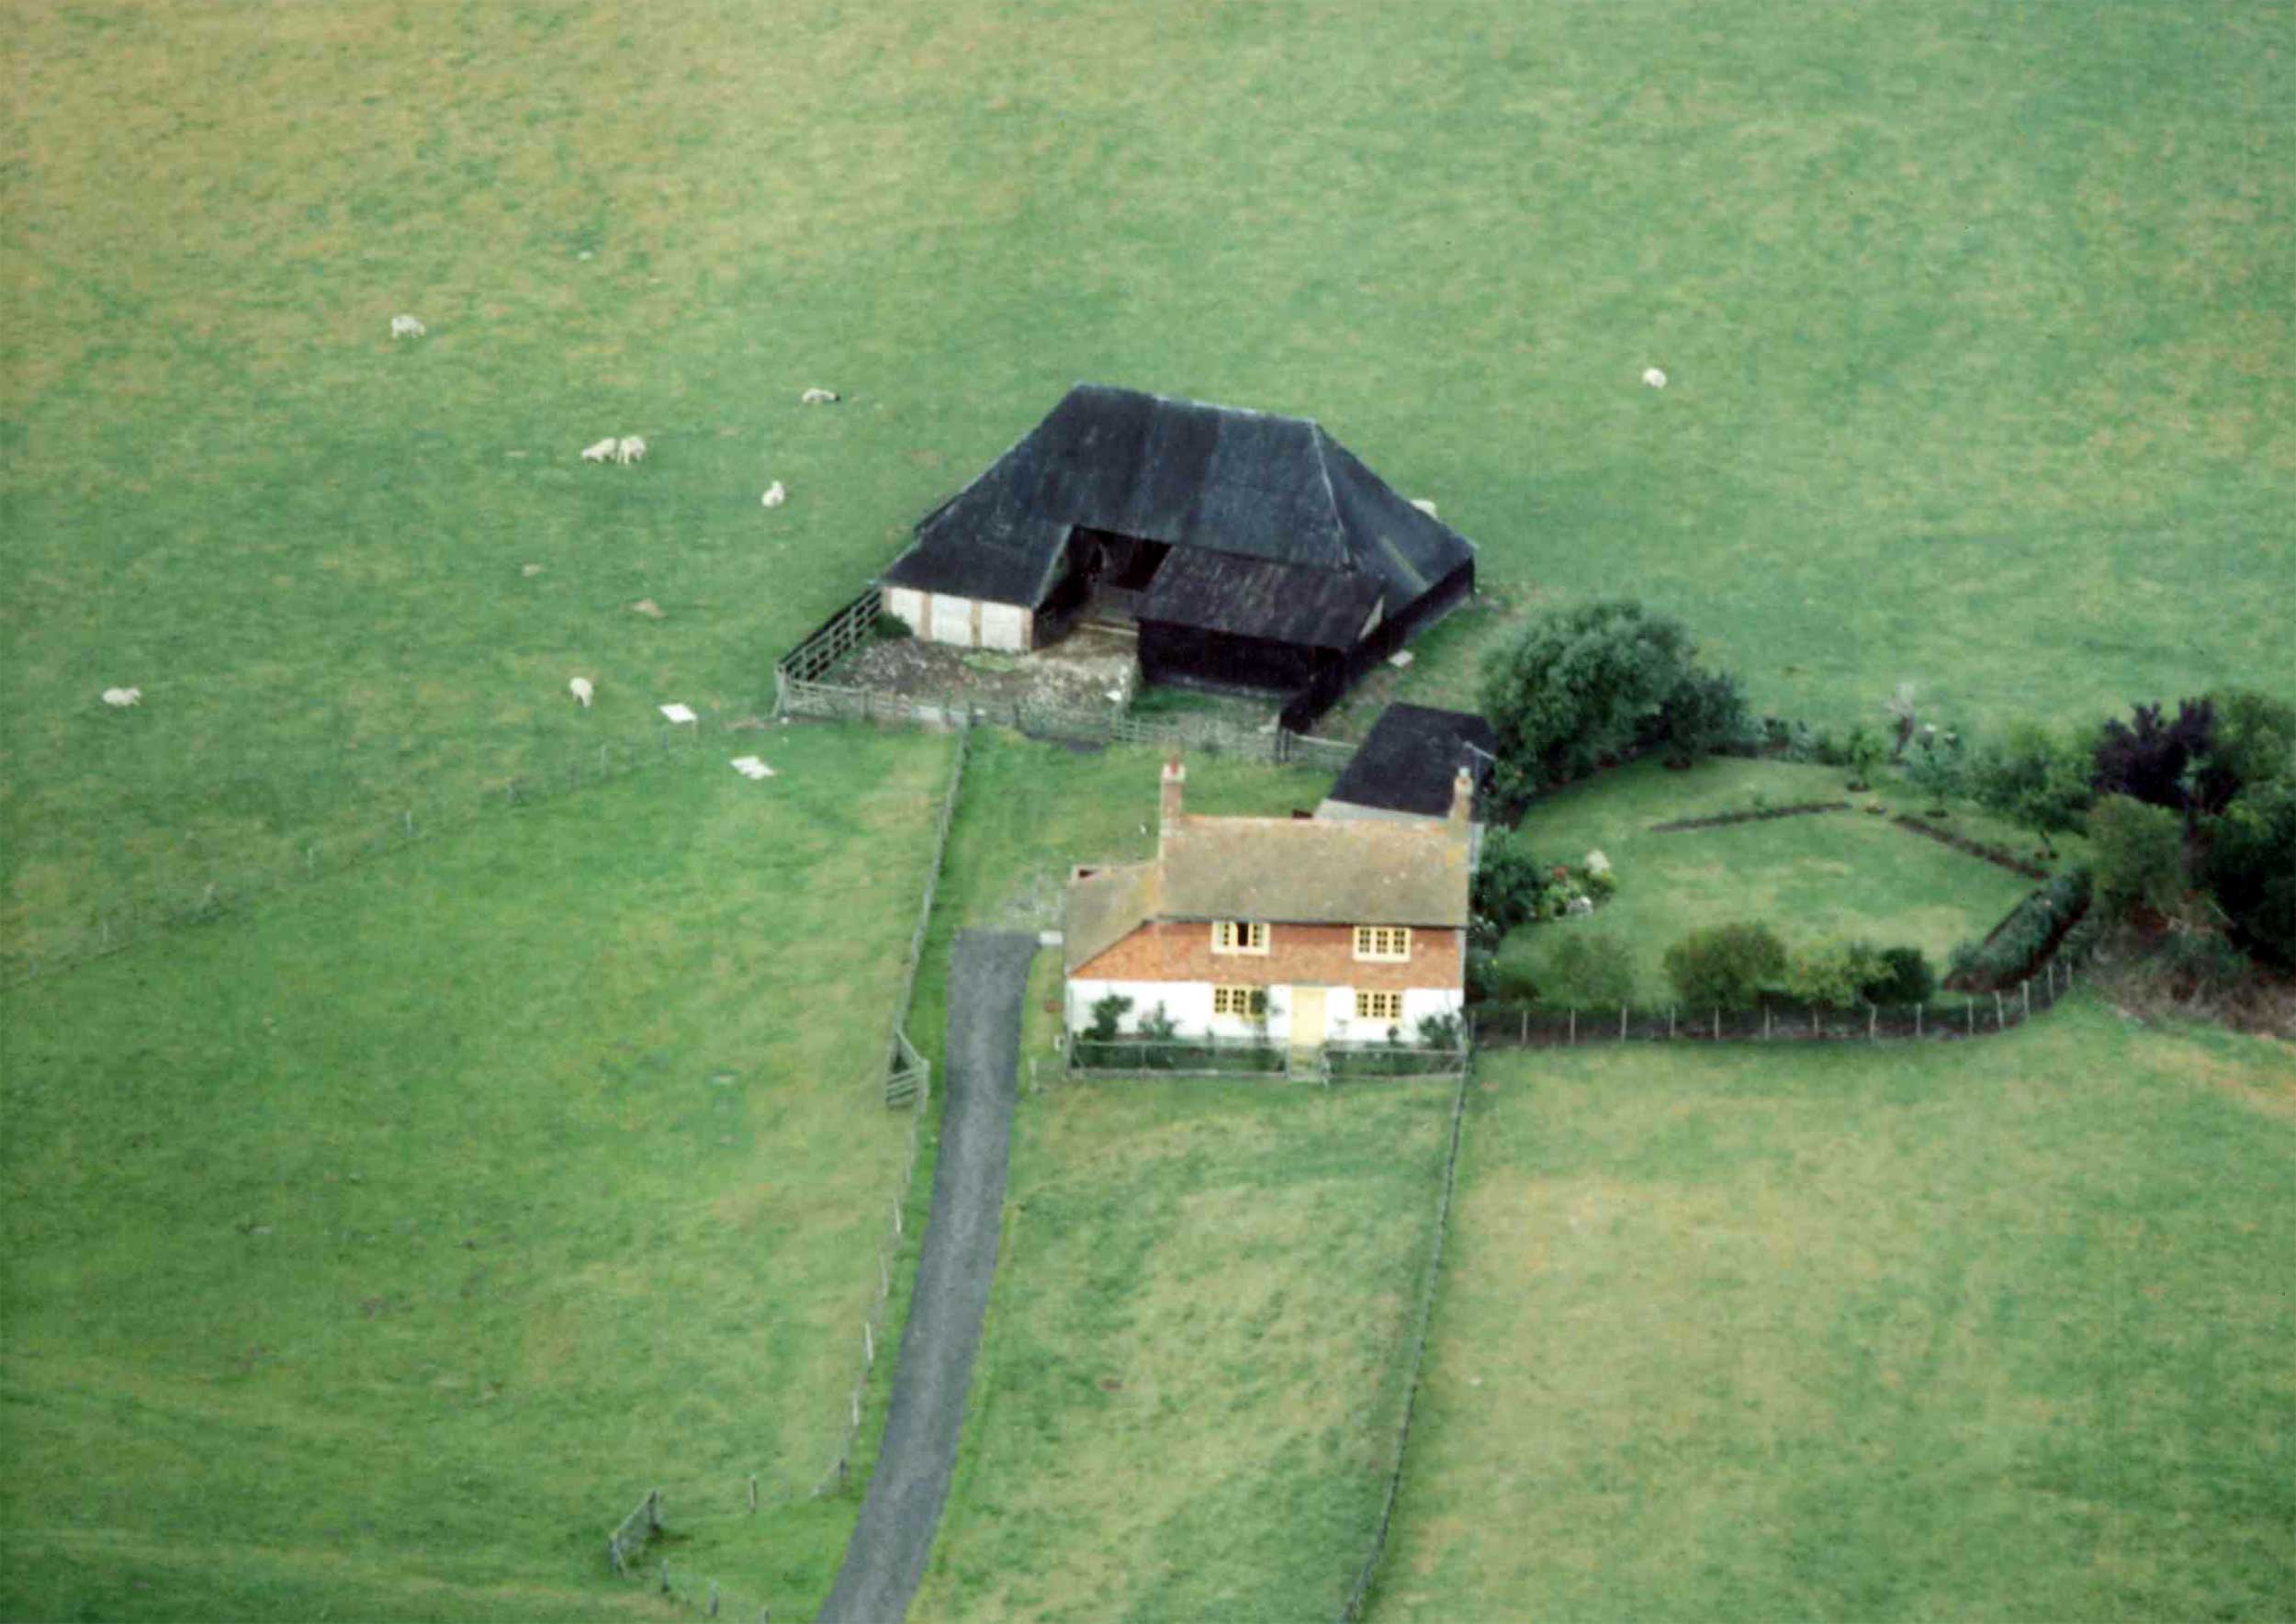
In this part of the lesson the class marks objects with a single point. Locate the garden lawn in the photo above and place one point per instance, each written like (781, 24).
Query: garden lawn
(1979, 322)
(1994, 1329)
(1832, 873)
(1193, 1365)
(375, 1250)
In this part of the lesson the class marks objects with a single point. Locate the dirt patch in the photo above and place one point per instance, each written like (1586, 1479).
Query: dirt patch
(1088, 671)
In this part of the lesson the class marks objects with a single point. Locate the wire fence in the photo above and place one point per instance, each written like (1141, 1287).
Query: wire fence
(1515, 1025)
(1352, 1608)
(210, 894)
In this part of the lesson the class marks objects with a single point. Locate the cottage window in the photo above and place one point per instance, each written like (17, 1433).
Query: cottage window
(1380, 1006)
(1390, 943)
(1247, 1003)
(1238, 936)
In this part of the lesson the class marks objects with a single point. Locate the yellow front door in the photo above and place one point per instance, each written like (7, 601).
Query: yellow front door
(1307, 1018)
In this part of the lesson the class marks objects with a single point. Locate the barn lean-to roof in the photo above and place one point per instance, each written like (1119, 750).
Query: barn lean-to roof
(1221, 479)
(1410, 759)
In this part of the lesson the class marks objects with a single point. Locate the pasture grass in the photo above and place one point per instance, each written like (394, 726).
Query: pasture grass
(1833, 873)
(376, 1249)
(1193, 1361)
(1979, 323)
(1992, 1329)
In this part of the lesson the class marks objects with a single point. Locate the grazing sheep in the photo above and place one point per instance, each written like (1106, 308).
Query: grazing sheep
(407, 327)
(116, 697)
(581, 689)
(818, 398)
(631, 449)
(774, 495)
(600, 451)
(1425, 505)
(1654, 378)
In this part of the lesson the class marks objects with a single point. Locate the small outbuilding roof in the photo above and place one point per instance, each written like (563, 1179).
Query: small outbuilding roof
(1247, 598)
(1412, 759)
(1275, 489)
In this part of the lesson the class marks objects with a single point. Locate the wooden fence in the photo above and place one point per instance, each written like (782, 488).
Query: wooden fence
(633, 1531)
(833, 639)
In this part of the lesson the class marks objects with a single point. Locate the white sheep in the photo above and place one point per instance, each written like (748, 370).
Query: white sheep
(631, 449)
(581, 689)
(116, 697)
(407, 327)
(818, 398)
(774, 495)
(1654, 378)
(600, 451)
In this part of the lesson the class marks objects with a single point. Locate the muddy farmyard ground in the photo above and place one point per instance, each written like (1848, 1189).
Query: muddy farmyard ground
(1092, 669)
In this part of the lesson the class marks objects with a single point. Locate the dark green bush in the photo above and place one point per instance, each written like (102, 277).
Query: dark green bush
(890, 626)
(1106, 1014)
(1904, 978)
(1832, 973)
(1579, 683)
(1725, 966)
(1508, 883)
(2251, 866)
(2136, 854)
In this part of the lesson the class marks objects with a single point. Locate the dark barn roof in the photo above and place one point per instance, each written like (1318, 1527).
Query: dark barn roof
(1413, 757)
(1218, 478)
(1247, 598)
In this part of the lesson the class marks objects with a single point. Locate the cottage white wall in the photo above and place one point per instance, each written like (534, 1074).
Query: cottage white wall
(1188, 1003)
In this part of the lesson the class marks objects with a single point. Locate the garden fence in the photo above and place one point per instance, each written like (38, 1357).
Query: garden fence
(1352, 1608)
(1509, 1026)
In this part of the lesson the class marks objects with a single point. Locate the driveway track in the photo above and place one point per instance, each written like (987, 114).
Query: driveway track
(885, 1560)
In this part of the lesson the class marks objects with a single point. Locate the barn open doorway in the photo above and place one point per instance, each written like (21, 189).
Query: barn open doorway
(1115, 572)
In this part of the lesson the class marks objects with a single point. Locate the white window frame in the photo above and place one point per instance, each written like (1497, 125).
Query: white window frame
(1239, 936)
(1363, 1012)
(1383, 944)
(1253, 999)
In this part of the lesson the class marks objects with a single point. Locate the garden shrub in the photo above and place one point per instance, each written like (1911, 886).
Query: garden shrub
(2136, 853)
(1587, 970)
(1863, 752)
(1157, 1027)
(1106, 1014)
(1902, 977)
(1937, 768)
(1440, 1032)
(1706, 710)
(1482, 973)
(1725, 966)
(2254, 743)
(1508, 883)
(889, 627)
(1832, 972)
(2019, 938)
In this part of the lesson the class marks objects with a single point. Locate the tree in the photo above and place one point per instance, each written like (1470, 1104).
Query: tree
(2036, 779)
(2149, 758)
(1725, 966)
(1578, 684)
(2254, 742)
(1903, 977)
(1705, 708)
(1937, 767)
(1587, 970)
(2251, 866)
(2136, 854)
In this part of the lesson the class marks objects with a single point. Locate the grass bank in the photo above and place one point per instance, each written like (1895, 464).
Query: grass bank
(375, 1250)
(1994, 1329)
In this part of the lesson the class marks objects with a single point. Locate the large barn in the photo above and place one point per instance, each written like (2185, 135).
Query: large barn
(1252, 551)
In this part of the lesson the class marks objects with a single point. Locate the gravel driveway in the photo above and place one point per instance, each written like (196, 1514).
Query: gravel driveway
(988, 974)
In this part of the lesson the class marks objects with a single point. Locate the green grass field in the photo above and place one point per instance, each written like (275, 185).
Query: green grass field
(376, 1251)
(1836, 873)
(1994, 1330)
(1978, 321)
(1192, 1370)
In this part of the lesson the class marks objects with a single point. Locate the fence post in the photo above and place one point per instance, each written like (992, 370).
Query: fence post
(2000, 1019)
(713, 1598)
(1622, 1024)
(896, 1218)
(1574, 1027)
(2027, 991)
(1873, 1021)
(1526, 1026)
(869, 1348)
(1917, 1020)
(1717, 1023)
(1671, 1013)
(1969, 1008)
(1765, 1023)
(753, 1494)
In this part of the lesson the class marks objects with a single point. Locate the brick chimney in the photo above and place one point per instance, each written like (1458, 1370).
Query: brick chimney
(1168, 800)
(1463, 800)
